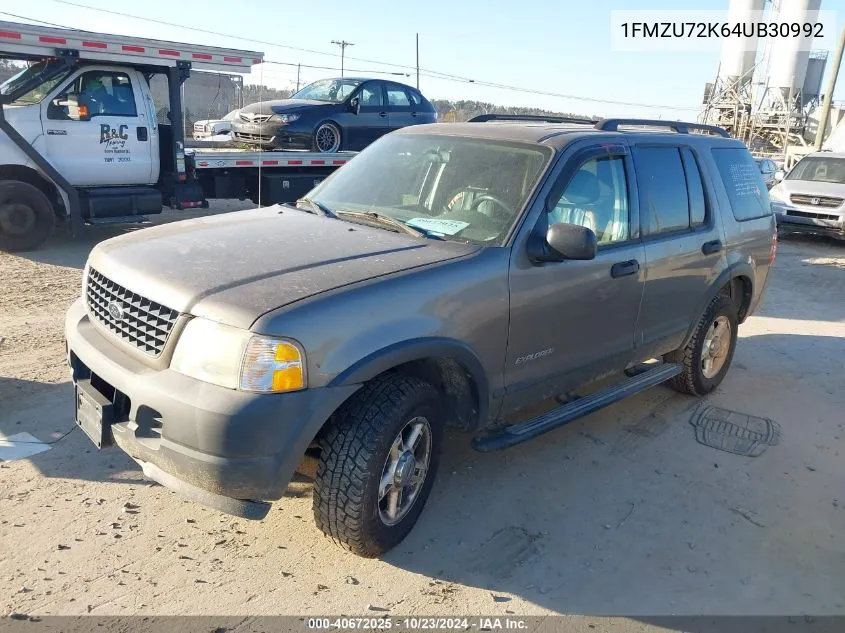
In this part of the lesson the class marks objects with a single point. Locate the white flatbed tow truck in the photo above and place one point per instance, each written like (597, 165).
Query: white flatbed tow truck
(80, 141)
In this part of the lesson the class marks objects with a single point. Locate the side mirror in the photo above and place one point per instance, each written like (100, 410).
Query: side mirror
(78, 107)
(355, 105)
(780, 175)
(566, 241)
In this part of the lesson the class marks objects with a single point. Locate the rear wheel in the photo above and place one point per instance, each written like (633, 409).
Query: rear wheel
(706, 358)
(378, 460)
(26, 216)
(327, 138)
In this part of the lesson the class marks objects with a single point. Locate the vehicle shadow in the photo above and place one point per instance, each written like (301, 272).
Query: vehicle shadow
(624, 513)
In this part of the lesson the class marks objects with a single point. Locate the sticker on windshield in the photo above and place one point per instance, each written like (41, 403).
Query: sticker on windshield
(435, 225)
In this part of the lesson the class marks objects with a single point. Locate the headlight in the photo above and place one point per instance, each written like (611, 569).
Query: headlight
(777, 194)
(286, 118)
(238, 359)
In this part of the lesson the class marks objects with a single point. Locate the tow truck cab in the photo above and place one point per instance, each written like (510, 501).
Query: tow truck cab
(79, 135)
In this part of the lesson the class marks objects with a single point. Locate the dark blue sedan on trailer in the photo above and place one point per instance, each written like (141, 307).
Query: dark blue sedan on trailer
(332, 115)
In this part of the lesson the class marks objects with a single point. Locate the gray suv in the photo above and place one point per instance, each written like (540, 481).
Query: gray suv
(501, 277)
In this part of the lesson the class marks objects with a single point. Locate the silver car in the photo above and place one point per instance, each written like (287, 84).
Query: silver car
(811, 197)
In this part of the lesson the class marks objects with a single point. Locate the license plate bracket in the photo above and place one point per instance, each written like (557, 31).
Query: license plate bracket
(94, 413)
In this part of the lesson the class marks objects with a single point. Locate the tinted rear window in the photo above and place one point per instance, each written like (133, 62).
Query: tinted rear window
(743, 182)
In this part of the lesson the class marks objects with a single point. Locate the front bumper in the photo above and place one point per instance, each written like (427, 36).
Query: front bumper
(814, 222)
(211, 444)
(291, 136)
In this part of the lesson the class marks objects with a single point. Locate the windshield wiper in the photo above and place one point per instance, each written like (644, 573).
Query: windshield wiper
(316, 207)
(381, 218)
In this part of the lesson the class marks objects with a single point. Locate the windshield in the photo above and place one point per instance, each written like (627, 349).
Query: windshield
(330, 90)
(819, 169)
(470, 190)
(50, 72)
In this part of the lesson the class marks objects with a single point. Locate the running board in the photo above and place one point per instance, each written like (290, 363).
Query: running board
(524, 431)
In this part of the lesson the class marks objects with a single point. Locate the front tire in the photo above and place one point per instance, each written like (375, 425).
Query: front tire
(706, 358)
(378, 461)
(327, 138)
(27, 217)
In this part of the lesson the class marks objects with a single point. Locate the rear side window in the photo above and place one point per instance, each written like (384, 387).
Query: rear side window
(663, 189)
(743, 182)
(695, 188)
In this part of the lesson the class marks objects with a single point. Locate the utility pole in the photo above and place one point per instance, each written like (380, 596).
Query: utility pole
(297, 77)
(343, 44)
(828, 94)
(418, 61)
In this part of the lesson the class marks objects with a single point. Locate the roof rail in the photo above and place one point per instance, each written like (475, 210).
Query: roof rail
(612, 125)
(482, 118)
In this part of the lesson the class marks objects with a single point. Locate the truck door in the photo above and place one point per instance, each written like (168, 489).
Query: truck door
(112, 145)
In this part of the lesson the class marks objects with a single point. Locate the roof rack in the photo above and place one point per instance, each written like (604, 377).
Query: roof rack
(612, 125)
(482, 118)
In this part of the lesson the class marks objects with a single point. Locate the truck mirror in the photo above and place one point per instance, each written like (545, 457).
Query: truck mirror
(78, 107)
(780, 175)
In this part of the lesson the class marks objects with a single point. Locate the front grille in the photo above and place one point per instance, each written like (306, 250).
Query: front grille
(825, 202)
(255, 118)
(144, 323)
(816, 216)
(245, 136)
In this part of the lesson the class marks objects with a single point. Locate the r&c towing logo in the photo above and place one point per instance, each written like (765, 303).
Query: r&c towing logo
(113, 137)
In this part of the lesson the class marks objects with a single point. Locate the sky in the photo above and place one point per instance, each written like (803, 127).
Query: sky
(557, 46)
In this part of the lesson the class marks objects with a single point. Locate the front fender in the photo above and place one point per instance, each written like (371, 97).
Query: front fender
(402, 352)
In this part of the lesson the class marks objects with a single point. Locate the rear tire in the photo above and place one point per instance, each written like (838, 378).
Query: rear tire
(27, 217)
(378, 461)
(706, 358)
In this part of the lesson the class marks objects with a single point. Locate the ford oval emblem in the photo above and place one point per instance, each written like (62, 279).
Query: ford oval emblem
(116, 311)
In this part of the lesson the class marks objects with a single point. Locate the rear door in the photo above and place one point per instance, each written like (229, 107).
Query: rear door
(683, 237)
(398, 106)
(112, 147)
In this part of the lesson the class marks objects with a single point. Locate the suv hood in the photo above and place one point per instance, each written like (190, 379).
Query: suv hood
(234, 267)
(812, 188)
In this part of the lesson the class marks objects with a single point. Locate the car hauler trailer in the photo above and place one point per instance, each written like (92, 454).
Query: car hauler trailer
(80, 140)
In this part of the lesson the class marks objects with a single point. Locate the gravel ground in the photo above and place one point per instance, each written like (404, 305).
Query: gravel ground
(621, 513)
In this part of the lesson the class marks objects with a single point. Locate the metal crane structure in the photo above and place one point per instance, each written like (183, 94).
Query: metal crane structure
(765, 91)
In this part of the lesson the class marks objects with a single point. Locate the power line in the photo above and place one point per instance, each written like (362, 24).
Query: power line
(23, 17)
(425, 72)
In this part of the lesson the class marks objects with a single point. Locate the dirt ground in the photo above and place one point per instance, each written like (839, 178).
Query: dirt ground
(620, 513)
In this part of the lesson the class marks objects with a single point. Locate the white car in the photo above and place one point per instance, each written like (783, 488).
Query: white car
(208, 128)
(811, 197)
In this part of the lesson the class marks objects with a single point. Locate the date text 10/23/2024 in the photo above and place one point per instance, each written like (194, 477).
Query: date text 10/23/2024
(417, 624)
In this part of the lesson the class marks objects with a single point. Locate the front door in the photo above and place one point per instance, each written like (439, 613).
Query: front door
(371, 121)
(572, 321)
(113, 146)
(683, 241)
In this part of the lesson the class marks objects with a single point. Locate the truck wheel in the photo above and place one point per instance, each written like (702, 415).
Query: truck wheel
(707, 356)
(327, 138)
(378, 461)
(26, 216)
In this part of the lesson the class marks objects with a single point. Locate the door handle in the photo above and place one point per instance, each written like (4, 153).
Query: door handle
(713, 246)
(142, 133)
(382, 114)
(413, 114)
(622, 269)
